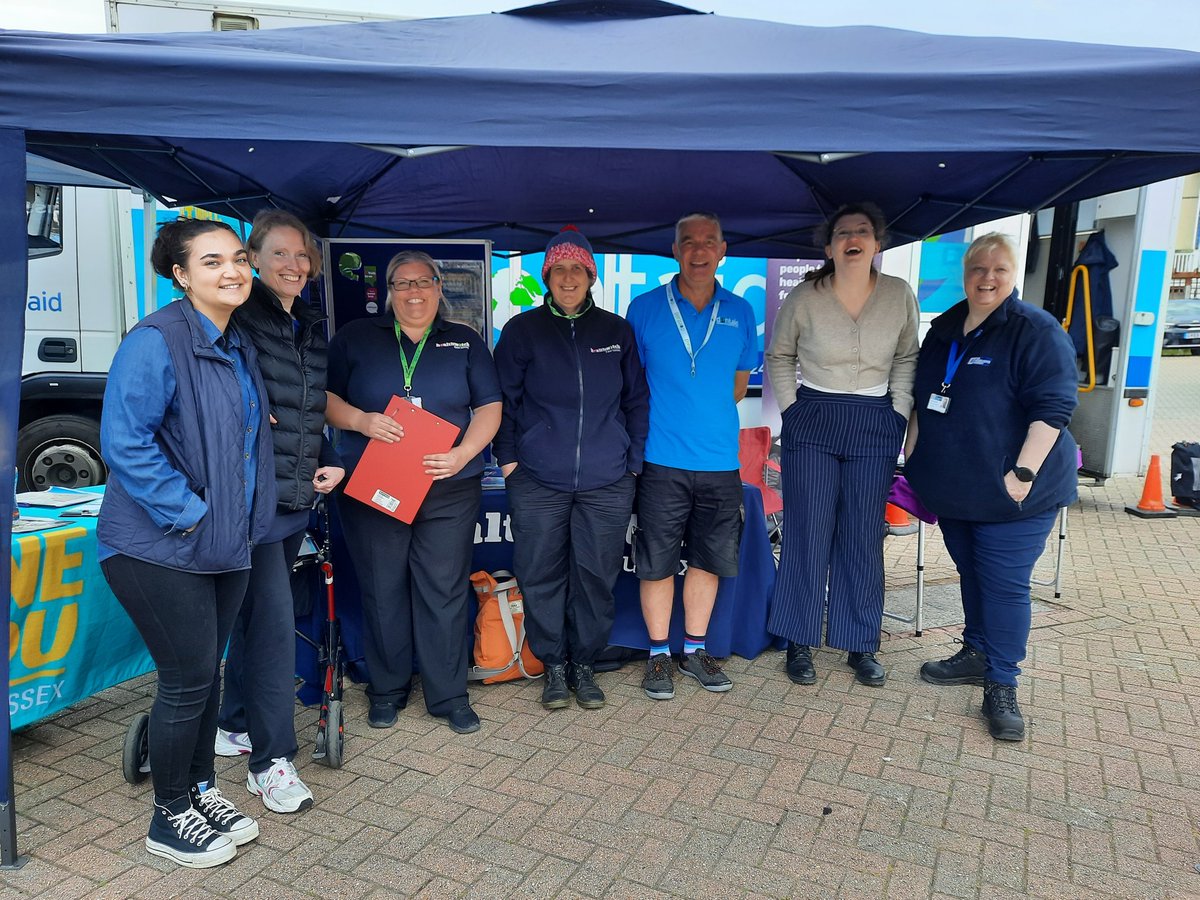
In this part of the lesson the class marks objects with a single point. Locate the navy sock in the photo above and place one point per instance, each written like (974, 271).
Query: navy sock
(657, 647)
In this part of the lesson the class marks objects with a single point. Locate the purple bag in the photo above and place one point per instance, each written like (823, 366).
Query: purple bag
(903, 496)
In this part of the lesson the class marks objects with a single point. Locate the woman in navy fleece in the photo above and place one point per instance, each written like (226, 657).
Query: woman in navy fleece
(576, 413)
(988, 450)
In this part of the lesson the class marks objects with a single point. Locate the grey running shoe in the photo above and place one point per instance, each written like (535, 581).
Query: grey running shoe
(657, 682)
(706, 670)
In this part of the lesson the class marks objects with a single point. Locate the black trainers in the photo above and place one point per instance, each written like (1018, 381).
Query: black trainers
(554, 689)
(182, 835)
(657, 682)
(1005, 722)
(706, 670)
(799, 664)
(222, 816)
(967, 666)
(867, 669)
(463, 720)
(581, 679)
(382, 714)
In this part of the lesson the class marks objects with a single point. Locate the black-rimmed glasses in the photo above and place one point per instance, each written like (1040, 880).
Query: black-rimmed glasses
(414, 284)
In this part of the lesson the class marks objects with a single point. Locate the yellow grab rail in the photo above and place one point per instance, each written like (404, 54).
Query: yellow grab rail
(1087, 310)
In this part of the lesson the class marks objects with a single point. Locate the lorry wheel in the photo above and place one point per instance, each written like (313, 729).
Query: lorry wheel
(59, 451)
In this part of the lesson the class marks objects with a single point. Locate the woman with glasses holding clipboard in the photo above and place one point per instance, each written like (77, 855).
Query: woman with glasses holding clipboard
(413, 577)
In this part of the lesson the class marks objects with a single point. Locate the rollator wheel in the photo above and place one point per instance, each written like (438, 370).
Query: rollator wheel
(135, 762)
(335, 735)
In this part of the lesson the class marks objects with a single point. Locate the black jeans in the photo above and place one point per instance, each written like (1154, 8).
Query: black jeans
(185, 619)
(260, 668)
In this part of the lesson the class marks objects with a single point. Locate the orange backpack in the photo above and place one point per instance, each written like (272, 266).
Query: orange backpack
(501, 652)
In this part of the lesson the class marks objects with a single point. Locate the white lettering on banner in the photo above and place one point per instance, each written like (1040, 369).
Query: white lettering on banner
(497, 529)
(32, 697)
(620, 279)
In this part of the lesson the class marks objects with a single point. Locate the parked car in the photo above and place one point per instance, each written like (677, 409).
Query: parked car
(1182, 330)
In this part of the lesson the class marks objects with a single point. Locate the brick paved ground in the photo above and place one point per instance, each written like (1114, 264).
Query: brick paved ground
(771, 790)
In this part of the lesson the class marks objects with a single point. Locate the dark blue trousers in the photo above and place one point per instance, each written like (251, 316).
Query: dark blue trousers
(260, 668)
(416, 591)
(567, 549)
(995, 561)
(839, 454)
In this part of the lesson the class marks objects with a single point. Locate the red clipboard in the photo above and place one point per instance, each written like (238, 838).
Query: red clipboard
(391, 477)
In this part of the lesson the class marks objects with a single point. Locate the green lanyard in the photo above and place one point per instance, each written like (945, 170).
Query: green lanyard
(409, 369)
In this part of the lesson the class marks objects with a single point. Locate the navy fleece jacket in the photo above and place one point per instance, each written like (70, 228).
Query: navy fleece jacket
(1017, 368)
(576, 404)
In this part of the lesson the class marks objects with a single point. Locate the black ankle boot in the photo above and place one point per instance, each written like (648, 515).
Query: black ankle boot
(1005, 722)
(554, 690)
(967, 666)
(867, 669)
(581, 679)
(799, 664)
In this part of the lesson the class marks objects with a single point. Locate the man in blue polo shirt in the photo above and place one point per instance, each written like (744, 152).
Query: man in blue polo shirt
(698, 343)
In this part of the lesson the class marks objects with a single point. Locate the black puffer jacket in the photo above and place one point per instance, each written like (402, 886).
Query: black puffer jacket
(293, 362)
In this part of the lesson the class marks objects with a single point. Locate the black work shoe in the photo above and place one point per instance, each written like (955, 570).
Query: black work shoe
(1005, 722)
(867, 669)
(554, 688)
(702, 666)
(967, 666)
(657, 682)
(463, 720)
(800, 665)
(182, 835)
(581, 678)
(382, 714)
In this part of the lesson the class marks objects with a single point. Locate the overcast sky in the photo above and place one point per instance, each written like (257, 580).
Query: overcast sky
(1152, 23)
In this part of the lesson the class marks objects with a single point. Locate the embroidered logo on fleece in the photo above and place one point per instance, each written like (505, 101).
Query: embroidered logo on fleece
(611, 348)
(979, 361)
(453, 345)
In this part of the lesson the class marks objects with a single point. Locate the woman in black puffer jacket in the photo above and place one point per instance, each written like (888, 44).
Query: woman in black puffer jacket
(258, 706)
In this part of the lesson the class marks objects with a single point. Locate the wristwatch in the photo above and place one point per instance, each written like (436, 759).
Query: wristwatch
(1024, 474)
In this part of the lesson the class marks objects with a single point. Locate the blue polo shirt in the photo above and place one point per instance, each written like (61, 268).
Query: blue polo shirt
(693, 419)
(454, 375)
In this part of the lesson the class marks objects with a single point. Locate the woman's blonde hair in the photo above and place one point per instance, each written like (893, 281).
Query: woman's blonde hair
(993, 240)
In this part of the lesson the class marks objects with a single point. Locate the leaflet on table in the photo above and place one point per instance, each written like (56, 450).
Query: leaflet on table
(54, 498)
(28, 524)
(391, 477)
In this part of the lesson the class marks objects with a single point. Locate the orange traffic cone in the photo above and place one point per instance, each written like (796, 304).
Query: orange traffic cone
(897, 520)
(1151, 505)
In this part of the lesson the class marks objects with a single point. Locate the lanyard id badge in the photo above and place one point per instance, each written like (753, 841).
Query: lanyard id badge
(683, 332)
(411, 368)
(940, 402)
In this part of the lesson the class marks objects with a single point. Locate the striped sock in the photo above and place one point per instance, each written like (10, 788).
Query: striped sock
(692, 643)
(657, 647)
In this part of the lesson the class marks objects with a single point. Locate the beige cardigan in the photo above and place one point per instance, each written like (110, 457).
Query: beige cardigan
(814, 334)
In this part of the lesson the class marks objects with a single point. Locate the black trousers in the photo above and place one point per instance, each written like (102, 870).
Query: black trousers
(185, 620)
(415, 583)
(260, 668)
(567, 551)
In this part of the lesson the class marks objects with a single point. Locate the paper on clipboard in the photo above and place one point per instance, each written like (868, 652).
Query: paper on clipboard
(391, 477)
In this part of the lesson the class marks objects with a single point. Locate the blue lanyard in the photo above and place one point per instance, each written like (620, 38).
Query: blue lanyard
(954, 357)
(683, 332)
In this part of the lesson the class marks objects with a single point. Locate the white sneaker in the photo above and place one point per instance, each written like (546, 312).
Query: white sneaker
(280, 787)
(231, 743)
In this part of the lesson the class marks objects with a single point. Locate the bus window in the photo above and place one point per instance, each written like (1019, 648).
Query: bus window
(43, 219)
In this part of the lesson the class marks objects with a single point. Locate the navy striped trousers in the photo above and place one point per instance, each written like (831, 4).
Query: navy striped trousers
(839, 454)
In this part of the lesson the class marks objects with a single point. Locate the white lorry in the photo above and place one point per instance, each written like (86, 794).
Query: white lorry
(87, 282)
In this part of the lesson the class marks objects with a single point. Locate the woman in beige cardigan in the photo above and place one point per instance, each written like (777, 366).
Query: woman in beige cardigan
(850, 332)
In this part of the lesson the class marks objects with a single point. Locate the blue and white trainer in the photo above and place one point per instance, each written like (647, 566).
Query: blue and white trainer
(181, 834)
